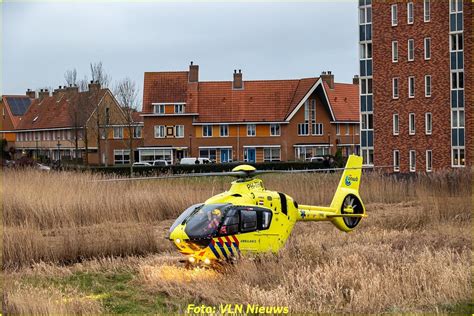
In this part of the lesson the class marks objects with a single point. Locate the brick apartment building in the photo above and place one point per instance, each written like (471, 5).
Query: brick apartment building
(416, 86)
(67, 123)
(253, 121)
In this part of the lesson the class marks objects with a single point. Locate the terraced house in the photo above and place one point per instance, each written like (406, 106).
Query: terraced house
(252, 121)
(416, 87)
(67, 124)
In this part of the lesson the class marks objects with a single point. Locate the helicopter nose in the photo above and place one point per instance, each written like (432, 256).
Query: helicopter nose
(178, 236)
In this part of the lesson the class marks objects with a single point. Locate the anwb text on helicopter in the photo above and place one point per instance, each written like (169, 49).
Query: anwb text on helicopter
(230, 309)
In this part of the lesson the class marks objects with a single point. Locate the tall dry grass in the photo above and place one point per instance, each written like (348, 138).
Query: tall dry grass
(67, 217)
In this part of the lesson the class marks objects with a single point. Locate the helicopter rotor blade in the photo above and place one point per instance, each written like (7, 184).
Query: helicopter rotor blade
(179, 176)
(257, 172)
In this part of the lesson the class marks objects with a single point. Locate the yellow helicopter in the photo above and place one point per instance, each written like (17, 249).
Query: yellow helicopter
(250, 219)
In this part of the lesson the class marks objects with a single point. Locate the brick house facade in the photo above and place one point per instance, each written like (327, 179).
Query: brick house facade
(253, 121)
(420, 83)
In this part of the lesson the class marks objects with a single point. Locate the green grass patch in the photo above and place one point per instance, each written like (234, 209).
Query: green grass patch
(118, 291)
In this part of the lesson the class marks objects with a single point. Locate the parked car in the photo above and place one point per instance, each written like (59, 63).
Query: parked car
(141, 164)
(316, 159)
(42, 167)
(194, 161)
(160, 163)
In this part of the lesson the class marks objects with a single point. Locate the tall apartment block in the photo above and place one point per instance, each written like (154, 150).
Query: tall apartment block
(415, 84)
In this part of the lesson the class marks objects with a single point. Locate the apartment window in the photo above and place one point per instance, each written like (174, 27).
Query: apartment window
(179, 108)
(224, 130)
(411, 87)
(207, 130)
(394, 51)
(160, 131)
(160, 109)
(427, 86)
(365, 15)
(338, 129)
(457, 80)
(137, 132)
(367, 121)
(396, 160)
(394, 14)
(396, 124)
(251, 130)
(179, 131)
(411, 123)
(411, 50)
(410, 17)
(456, 5)
(427, 48)
(303, 129)
(458, 157)
(274, 129)
(458, 118)
(429, 161)
(366, 51)
(412, 159)
(456, 42)
(366, 86)
(121, 156)
(118, 132)
(271, 154)
(426, 10)
(395, 93)
(317, 129)
(428, 123)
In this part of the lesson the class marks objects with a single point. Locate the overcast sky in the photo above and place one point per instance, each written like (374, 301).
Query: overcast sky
(266, 40)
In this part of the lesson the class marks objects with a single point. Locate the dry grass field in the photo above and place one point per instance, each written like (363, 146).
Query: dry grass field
(74, 246)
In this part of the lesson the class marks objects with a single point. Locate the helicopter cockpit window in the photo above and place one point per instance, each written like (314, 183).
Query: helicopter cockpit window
(230, 226)
(184, 215)
(264, 218)
(248, 220)
(204, 222)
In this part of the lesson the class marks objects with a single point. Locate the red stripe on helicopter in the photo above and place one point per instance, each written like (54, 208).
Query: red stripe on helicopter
(228, 240)
(235, 240)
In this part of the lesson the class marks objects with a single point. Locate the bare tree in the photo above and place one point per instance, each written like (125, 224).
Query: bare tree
(126, 93)
(71, 77)
(99, 75)
(83, 84)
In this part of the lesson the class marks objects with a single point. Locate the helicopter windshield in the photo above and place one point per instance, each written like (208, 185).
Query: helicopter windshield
(184, 215)
(206, 220)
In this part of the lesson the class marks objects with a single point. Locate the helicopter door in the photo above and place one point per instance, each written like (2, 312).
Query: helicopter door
(249, 240)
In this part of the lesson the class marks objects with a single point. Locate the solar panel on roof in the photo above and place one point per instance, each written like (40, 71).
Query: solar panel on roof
(18, 106)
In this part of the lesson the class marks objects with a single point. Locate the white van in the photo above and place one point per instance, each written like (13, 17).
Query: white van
(192, 161)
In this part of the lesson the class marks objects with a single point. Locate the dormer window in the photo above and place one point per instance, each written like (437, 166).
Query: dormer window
(179, 108)
(159, 109)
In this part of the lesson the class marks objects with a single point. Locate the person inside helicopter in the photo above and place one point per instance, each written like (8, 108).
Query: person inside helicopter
(205, 220)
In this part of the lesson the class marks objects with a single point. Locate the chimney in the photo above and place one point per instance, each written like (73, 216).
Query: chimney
(43, 93)
(58, 90)
(193, 73)
(72, 88)
(355, 80)
(94, 86)
(328, 78)
(238, 82)
(31, 93)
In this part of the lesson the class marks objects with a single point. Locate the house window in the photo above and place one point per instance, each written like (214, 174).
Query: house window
(411, 123)
(395, 93)
(394, 51)
(427, 48)
(271, 154)
(428, 123)
(69, 135)
(274, 129)
(426, 10)
(121, 156)
(411, 49)
(209, 153)
(396, 125)
(317, 129)
(303, 129)
(137, 132)
(159, 109)
(458, 157)
(251, 130)
(338, 129)
(394, 14)
(410, 13)
(412, 161)
(396, 160)
(427, 86)
(429, 161)
(356, 129)
(179, 131)
(179, 108)
(224, 130)
(102, 133)
(160, 131)
(207, 130)
(118, 132)
(347, 129)
(411, 87)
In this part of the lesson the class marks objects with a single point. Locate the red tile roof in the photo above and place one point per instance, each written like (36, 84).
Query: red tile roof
(62, 110)
(259, 100)
(344, 100)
